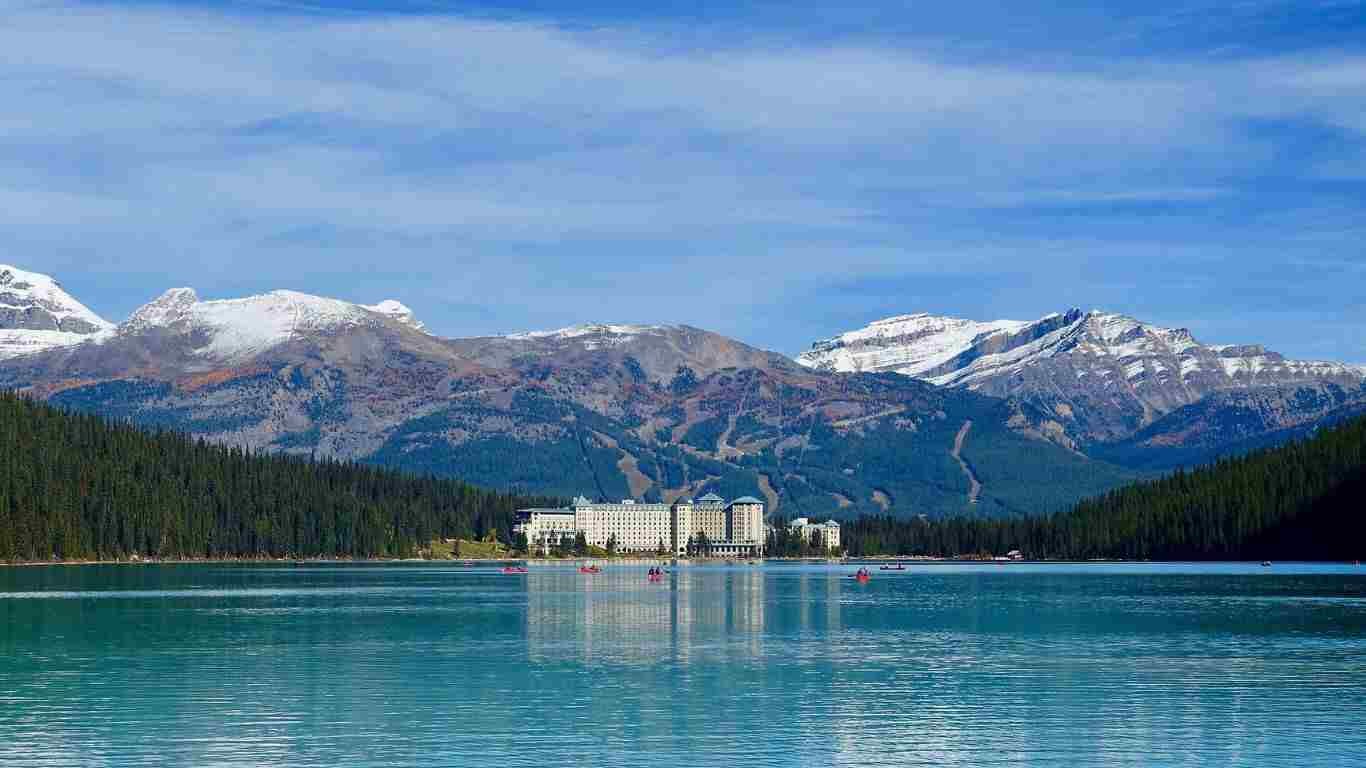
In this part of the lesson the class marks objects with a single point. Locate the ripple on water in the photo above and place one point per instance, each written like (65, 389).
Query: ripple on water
(778, 666)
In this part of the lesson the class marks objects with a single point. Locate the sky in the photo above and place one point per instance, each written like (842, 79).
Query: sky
(777, 172)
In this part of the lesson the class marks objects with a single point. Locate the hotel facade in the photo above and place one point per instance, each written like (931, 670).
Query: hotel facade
(709, 526)
(828, 532)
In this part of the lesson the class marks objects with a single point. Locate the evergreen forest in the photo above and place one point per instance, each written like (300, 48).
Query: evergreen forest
(77, 487)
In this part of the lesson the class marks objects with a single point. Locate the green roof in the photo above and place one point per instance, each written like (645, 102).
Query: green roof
(746, 500)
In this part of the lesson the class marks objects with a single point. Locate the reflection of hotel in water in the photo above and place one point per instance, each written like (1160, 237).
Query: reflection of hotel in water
(618, 616)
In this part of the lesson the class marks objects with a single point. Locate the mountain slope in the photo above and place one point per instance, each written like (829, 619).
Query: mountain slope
(1100, 377)
(1233, 422)
(1299, 501)
(607, 410)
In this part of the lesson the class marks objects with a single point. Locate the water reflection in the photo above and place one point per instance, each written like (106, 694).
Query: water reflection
(620, 616)
(338, 666)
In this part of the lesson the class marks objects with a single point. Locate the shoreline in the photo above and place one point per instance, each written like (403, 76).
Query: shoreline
(641, 562)
(342, 560)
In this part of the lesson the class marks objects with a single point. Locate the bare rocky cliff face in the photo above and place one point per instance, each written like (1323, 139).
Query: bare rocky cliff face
(1103, 377)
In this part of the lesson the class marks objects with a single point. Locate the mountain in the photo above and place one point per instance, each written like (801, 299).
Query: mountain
(239, 329)
(36, 314)
(1298, 501)
(1105, 378)
(612, 411)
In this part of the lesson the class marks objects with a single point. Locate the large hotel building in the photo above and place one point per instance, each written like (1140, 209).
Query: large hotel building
(708, 525)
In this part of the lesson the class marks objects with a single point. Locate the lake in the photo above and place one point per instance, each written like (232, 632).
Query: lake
(781, 665)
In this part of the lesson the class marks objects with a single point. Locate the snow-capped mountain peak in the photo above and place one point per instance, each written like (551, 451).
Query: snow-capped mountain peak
(397, 311)
(236, 329)
(37, 314)
(42, 303)
(165, 310)
(1068, 358)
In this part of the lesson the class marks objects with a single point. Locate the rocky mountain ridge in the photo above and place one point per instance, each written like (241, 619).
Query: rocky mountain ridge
(1104, 376)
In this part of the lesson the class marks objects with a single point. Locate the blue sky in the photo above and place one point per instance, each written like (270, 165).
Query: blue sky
(778, 172)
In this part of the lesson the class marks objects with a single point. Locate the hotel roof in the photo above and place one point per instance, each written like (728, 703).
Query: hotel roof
(546, 511)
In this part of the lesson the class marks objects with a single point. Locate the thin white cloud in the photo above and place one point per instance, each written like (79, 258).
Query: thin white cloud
(184, 93)
(164, 135)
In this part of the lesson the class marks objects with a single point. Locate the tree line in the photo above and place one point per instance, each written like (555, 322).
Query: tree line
(1301, 500)
(80, 487)
(782, 541)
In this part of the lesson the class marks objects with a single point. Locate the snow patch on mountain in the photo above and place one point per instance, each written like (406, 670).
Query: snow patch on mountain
(909, 344)
(241, 328)
(16, 342)
(591, 335)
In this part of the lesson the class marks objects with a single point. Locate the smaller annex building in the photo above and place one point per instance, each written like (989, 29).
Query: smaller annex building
(709, 526)
(827, 533)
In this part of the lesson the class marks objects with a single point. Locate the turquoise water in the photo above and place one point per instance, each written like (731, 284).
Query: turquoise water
(433, 665)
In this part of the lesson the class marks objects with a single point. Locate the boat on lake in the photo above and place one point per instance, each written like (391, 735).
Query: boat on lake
(588, 569)
(513, 569)
(892, 568)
